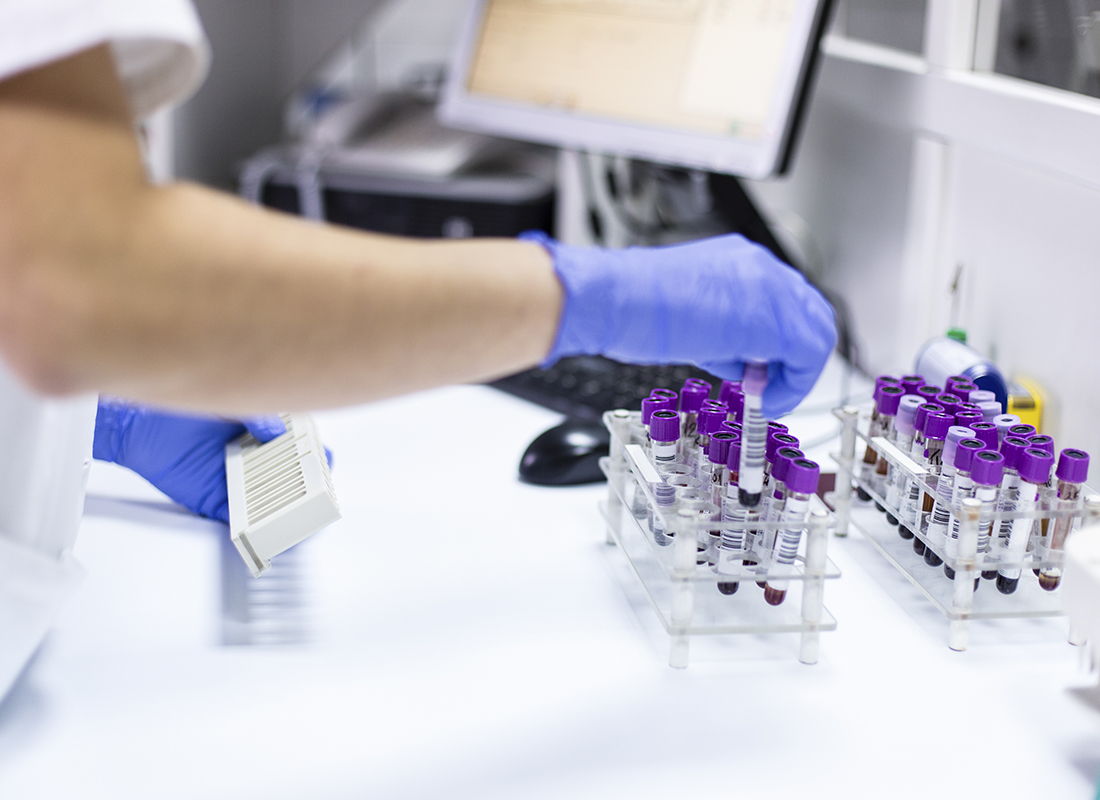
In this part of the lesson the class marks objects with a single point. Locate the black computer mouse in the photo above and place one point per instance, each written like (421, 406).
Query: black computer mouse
(566, 455)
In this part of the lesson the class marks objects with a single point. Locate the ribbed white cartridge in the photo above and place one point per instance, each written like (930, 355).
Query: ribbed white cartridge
(279, 492)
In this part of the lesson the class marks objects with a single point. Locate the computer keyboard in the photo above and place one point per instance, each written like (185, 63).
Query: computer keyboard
(586, 386)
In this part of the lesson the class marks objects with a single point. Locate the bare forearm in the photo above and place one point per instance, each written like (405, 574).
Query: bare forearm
(213, 304)
(188, 297)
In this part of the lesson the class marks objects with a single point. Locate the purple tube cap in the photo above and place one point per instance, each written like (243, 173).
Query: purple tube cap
(698, 382)
(929, 391)
(719, 448)
(1020, 429)
(967, 417)
(936, 425)
(964, 453)
(777, 440)
(664, 426)
(980, 396)
(888, 399)
(726, 389)
(710, 420)
(910, 383)
(1012, 448)
(783, 458)
(651, 404)
(733, 457)
(1073, 465)
(1041, 441)
(667, 394)
(802, 476)
(988, 467)
(735, 427)
(1035, 465)
(986, 432)
(923, 410)
(692, 397)
(949, 401)
(777, 427)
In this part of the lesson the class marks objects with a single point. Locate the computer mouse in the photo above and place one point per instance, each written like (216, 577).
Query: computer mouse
(566, 455)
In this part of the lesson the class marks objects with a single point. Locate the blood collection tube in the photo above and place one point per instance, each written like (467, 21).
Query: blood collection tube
(665, 495)
(1011, 448)
(987, 472)
(963, 489)
(653, 403)
(691, 401)
(886, 405)
(665, 394)
(777, 427)
(1034, 467)
(736, 405)
(980, 396)
(778, 489)
(754, 436)
(953, 485)
(929, 392)
(910, 510)
(732, 542)
(718, 454)
(889, 401)
(910, 383)
(935, 432)
(664, 433)
(802, 479)
(699, 382)
(1073, 469)
(905, 427)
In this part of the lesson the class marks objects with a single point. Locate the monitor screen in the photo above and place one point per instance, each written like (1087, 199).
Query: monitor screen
(703, 83)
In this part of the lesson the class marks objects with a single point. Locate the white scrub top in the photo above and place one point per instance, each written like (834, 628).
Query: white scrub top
(159, 47)
(46, 444)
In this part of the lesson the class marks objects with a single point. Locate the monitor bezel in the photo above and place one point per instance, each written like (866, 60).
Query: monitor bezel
(767, 157)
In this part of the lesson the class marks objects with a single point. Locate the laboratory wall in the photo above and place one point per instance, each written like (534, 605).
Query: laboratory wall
(262, 51)
(926, 218)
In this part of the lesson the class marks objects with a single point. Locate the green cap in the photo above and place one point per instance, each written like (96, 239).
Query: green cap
(958, 334)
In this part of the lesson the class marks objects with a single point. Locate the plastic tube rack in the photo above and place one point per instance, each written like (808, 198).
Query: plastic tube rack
(965, 596)
(679, 581)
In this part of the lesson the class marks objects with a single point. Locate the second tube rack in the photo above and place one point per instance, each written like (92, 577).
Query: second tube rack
(958, 576)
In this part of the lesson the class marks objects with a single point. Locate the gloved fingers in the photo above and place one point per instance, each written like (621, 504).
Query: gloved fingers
(265, 428)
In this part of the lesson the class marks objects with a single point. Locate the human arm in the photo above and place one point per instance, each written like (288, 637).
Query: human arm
(183, 296)
(186, 297)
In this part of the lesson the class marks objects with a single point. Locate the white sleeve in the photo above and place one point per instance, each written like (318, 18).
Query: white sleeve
(159, 47)
(33, 588)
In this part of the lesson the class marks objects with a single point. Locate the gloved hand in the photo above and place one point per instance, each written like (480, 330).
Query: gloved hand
(182, 456)
(715, 303)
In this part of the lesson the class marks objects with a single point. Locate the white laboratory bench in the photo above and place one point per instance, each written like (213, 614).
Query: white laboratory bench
(472, 638)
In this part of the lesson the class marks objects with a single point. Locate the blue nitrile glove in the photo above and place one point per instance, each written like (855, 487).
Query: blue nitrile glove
(183, 456)
(715, 303)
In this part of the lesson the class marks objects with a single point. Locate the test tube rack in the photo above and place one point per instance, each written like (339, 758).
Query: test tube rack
(957, 598)
(681, 586)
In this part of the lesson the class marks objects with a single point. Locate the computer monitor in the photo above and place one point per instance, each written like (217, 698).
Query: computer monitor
(708, 84)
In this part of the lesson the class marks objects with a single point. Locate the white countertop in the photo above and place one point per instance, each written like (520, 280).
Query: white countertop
(475, 637)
